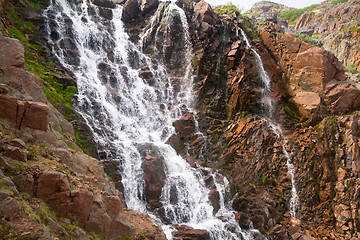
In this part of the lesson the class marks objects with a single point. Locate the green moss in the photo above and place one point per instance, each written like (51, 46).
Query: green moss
(81, 142)
(294, 14)
(291, 113)
(309, 39)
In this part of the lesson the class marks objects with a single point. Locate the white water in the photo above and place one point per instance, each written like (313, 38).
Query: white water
(269, 114)
(130, 118)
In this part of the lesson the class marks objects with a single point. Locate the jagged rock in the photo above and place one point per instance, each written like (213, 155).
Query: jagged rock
(50, 183)
(57, 229)
(111, 168)
(189, 233)
(30, 114)
(243, 220)
(9, 208)
(185, 126)
(204, 13)
(135, 9)
(154, 176)
(15, 153)
(17, 143)
(24, 183)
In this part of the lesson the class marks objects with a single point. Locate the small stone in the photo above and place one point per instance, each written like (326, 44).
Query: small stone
(9, 208)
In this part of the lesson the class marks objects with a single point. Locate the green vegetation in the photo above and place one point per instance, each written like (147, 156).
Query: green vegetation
(227, 9)
(294, 14)
(309, 39)
(337, 1)
(291, 113)
(81, 142)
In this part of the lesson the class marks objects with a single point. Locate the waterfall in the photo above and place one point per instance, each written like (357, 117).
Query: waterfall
(131, 115)
(269, 113)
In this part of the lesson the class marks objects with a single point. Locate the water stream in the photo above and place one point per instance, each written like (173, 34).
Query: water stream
(269, 114)
(131, 117)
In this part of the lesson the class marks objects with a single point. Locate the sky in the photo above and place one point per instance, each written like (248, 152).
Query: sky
(245, 5)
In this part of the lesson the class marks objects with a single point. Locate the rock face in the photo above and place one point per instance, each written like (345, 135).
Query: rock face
(19, 113)
(268, 11)
(316, 77)
(336, 27)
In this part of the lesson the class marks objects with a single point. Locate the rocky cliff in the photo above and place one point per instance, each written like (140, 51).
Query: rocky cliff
(51, 188)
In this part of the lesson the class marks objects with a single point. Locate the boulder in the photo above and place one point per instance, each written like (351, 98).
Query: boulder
(30, 114)
(204, 13)
(9, 208)
(11, 53)
(154, 176)
(50, 183)
(24, 183)
(15, 153)
(185, 126)
(186, 232)
(214, 198)
(36, 116)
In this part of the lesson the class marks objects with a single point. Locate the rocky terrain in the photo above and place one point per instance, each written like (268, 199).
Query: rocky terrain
(51, 189)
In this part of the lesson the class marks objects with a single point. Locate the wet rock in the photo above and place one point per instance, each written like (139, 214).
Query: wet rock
(104, 3)
(243, 220)
(111, 168)
(186, 232)
(134, 9)
(214, 198)
(154, 176)
(185, 126)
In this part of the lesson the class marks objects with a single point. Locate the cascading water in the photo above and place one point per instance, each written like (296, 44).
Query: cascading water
(268, 105)
(132, 118)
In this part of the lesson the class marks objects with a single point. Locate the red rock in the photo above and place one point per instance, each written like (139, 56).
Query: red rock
(8, 108)
(185, 126)
(50, 183)
(189, 233)
(24, 183)
(36, 116)
(15, 153)
(11, 53)
(204, 13)
(9, 208)
(154, 176)
(214, 198)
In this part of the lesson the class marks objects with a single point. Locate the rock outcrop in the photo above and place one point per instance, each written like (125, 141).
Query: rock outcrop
(336, 27)
(316, 77)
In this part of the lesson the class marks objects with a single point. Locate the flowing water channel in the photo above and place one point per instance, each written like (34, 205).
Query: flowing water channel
(132, 118)
(269, 113)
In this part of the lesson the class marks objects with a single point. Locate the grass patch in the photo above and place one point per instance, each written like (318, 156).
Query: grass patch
(81, 142)
(227, 9)
(337, 1)
(294, 14)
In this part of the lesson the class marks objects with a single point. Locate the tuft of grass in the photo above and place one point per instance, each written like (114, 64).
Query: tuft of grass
(227, 9)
